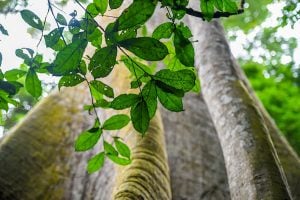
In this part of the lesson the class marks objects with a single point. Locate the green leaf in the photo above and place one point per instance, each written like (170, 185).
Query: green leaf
(68, 59)
(32, 84)
(9, 87)
(116, 122)
(109, 149)
(136, 14)
(96, 163)
(184, 49)
(207, 8)
(92, 9)
(0, 59)
(182, 79)
(32, 19)
(102, 88)
(114, 4)
(219, 4)
(53, 37)
(21, 54)
(164, 30)
(137, 69)
(101, 5)
(82, 67)
(3, 31)
(14, 74)
(140, 117)
(150, 96)
(87, 140)
(95, 38)
(230, 6)
(122, 148)
(118, 160)
(70, 80)
(61, 19)
(124, 101)
(170, 101)
(103, 61)
(146, 48)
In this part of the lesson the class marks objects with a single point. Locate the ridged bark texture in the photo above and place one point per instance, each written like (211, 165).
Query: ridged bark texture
(288, 157)
(147, 177)
(251, 163)
(197, 167)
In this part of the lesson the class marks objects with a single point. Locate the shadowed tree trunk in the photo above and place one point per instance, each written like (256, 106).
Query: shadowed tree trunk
(196, 161)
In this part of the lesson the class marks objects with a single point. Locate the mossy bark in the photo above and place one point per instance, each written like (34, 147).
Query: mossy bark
(254, 172)
(34, 154)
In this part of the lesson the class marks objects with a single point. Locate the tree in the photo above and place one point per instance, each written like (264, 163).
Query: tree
(261, 179)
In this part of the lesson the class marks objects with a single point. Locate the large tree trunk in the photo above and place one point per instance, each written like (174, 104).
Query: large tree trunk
(196, 161)
(252, 166)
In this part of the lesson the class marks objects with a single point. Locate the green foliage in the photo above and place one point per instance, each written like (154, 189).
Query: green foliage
(69, 40)
(116, 122)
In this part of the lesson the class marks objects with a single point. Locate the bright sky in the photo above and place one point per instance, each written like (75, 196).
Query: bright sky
(19, 37)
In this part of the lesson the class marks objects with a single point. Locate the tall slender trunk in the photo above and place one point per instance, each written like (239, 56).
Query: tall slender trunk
(252, 166)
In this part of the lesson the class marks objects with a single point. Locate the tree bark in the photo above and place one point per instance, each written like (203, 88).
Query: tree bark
(252, 166)
(197, 167)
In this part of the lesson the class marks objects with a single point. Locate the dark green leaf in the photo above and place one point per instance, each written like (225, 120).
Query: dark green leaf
(114, 4)
(150, 96)
(0, 59)
(103, 61)
(61, 19)
(96, 163)
(82, 67)
(53, 37)
(118, 160)
(122, 148)
(170, 101)
(87, 140)
(207, 8)
(32, 84)
(135, 84)
(101, 5)
(74, 26)
(164, 30)
(70, 80)
(146, 48)
(136, 14)
(68, 59)
(14, 74)
(116, 122)
(140, 117)
(182, 79)
(3, 30)
(102, 88)
(124, 101)
(21, 54)
(95, 38)
(184, 49)
(109, 149)
(8, 87)
(32, 19)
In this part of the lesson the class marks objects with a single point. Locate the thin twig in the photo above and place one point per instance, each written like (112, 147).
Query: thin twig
(52, 12)
(45, 20)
